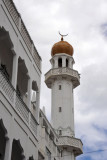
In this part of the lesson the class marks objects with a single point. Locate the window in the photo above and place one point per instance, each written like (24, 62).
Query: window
(60, 87)
(66, 62)
(60, 62)
(60, 132)
(60, 109)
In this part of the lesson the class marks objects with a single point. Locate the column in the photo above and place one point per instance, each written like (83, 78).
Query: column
(56, 62)
(63, 61)
(67, 155)
(8, 149)
(15, 70)
(29, 93)
(37, 105)
(70, 63)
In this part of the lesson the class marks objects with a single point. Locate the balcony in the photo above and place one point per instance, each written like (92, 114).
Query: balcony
(71, 143)
(17, 103)
(63, 72)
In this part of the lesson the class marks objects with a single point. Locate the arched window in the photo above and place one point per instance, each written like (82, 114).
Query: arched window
(17, 151)
(66, 62)
(60, 62)
(3, 132)
(31, 158)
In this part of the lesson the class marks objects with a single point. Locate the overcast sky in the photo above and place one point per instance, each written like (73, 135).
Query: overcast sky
(86, 23)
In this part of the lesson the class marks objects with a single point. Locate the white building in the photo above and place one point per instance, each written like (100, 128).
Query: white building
(25, 132)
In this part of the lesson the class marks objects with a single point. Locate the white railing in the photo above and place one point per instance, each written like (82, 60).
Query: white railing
(26, 37)
(60, 71)
(50, 143)
(33, 124)
(54, 147)
(6, 86)
(70, 141)
(20, 107)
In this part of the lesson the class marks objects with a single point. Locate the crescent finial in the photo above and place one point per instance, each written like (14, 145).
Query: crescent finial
(62, 36)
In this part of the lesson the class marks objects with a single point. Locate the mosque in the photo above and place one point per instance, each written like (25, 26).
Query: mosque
(25, 132)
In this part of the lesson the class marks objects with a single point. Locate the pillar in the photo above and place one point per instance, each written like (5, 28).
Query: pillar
(15, 71)
(56, 62)
(70, 63)
(37, 105)
(29, 93)
(63, 61)
(8, 149)
(67, 155)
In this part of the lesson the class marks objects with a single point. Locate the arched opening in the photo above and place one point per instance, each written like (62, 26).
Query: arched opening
(40, 156)
(17, 151)
(6, 54)
(22, 79)
(66, 62)
(60, 62)
(51, 135)
(31, 158)
(34, 97)
(3, 132)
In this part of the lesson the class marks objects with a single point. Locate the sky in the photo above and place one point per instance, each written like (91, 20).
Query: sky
(85, 22)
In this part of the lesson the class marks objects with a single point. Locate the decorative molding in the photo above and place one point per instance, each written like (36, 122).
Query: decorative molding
(60, 73)
(71, 142)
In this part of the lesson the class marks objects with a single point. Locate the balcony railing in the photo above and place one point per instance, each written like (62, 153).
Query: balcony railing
(72, 143)
(20, 107)
(64, 71)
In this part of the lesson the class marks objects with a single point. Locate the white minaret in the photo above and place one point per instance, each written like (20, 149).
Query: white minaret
(62, 79)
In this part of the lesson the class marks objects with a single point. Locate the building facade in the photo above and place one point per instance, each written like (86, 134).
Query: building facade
(25, 132)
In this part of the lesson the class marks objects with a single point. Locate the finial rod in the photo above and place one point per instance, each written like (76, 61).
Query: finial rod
(62, 36)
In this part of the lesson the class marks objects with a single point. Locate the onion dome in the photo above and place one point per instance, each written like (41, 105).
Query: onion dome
(62, 47)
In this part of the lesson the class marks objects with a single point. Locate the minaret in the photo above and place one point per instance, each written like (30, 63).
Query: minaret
(62, 80)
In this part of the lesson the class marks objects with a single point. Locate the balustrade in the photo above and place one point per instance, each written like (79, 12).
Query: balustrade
(20, 107)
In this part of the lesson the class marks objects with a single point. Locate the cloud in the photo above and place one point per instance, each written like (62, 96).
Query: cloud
(86, 23)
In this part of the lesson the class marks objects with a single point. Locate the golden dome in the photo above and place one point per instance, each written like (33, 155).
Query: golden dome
(62, 47)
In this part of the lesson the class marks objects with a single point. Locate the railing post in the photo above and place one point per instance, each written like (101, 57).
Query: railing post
(14, 70)
(63, 61)
(29, 93)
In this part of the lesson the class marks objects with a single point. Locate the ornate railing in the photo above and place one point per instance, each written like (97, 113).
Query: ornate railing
(50, 143)
(60, 71)
(21, 27)
(71, 142)
(68, 72)
(54, 147)
(6, 86)
(20, 107)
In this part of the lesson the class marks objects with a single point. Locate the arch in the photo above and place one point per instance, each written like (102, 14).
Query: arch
(3, 133)
(6, 53)
(59, 62)
(34, 86)
(17, 150)
(22, 78)
(31, 158)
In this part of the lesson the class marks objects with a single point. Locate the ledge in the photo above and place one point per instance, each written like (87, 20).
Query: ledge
(71, 144)
(64, 73)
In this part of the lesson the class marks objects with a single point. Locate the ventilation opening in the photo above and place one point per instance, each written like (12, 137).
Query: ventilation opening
(60, 62)
(66, 62)
(60, 109)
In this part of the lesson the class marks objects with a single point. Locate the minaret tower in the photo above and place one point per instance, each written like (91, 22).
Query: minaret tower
(62, 80)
